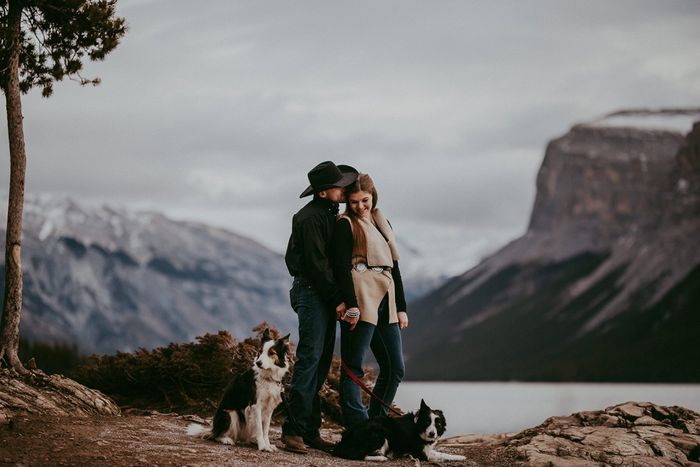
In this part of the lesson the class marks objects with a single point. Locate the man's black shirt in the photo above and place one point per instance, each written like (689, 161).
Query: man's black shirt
(309, 245)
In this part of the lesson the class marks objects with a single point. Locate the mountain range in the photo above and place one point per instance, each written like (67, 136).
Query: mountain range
(603, 286)
(605, 283)
(108, 279)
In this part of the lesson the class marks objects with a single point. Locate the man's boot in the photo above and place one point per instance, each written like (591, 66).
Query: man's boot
(319, 443)
(294, 444)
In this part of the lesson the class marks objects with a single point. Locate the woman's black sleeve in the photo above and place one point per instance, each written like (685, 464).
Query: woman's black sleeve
(398, 288)
(341, 261)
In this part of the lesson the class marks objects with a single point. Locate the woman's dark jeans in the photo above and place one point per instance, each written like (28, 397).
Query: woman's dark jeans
(314, 356)
(385, 341)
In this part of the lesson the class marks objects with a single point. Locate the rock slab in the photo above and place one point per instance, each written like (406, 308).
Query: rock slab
(39, 393)
(630, 434)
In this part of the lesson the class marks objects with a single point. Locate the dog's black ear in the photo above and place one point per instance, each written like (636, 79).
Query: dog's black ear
(285, 338)
(266, 335)
(424, 406)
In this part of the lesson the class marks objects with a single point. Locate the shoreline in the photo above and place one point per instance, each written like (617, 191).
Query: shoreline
(493, 408)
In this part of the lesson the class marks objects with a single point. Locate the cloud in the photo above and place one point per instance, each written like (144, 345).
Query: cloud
(216, 111)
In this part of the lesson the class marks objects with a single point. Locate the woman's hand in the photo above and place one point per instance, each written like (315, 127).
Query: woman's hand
(340, 311)
(403, 319)
(349, 319)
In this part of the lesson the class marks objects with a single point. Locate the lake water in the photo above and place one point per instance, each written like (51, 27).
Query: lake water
(507, 407)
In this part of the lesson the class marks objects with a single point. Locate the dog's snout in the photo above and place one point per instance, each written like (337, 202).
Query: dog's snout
(431, 434)
(258, 363)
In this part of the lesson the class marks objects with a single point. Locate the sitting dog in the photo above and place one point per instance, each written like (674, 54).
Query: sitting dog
(414, 434)
(246, 407)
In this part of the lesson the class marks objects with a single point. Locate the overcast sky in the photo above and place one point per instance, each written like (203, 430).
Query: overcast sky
(216, 110)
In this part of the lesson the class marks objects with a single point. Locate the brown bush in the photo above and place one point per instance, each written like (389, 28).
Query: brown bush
(189, 378)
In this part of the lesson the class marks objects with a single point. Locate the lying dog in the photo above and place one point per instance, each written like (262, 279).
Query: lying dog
(246, 407)
(414, 434)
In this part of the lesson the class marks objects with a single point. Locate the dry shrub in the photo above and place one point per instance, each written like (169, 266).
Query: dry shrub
(189, 378)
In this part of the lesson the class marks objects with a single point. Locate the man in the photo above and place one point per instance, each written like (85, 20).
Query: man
(317, 301)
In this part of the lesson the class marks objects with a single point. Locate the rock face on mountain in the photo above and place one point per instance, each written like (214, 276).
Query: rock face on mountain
(109, 279)
(604, 285)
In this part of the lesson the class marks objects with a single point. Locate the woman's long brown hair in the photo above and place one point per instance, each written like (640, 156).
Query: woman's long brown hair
(359, 241)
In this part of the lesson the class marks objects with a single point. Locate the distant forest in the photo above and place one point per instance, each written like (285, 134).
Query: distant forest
(52, 357)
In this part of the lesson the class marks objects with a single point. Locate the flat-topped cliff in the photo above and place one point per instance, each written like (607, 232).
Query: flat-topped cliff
(604, 285)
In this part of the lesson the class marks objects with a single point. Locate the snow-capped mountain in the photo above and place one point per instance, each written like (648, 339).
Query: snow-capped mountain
(111, 279)
(108, 279)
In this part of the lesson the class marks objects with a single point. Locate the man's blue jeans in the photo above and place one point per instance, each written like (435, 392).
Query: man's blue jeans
(385, 341)
(314, 355)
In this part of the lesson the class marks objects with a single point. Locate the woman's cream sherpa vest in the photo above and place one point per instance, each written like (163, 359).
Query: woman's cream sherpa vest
(371, 286)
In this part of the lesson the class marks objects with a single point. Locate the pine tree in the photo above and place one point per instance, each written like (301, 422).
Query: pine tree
(41, 42)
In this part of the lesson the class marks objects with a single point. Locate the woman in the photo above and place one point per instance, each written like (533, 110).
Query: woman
(365, 263)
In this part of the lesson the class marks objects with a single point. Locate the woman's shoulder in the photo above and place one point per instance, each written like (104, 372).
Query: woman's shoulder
(378, 213)
(379, 218)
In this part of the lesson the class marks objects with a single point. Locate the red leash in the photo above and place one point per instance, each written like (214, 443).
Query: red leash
(366, 389)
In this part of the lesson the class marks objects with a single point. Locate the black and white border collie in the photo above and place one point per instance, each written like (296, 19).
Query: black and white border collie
(246, 407)
(413, 433)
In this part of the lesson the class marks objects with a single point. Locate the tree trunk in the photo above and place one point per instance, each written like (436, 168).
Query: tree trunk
(12, 305)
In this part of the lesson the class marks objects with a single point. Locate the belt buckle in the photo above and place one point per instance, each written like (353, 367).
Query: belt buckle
(360, 267)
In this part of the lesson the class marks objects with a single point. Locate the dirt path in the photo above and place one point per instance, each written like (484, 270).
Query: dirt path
(160, 439)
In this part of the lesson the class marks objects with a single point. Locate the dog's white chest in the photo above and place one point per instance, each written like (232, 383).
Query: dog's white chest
(269, 392)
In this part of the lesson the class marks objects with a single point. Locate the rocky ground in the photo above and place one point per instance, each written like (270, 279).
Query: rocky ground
(631, 434)
(54, 421)
(156, 439)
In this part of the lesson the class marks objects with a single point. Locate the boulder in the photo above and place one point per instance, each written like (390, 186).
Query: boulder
(630, 434)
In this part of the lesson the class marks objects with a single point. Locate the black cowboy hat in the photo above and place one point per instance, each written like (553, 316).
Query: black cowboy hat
(328, 175)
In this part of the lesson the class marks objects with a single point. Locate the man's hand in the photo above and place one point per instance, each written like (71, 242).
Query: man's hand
(340, 311)
(403, 319)
(352, 321)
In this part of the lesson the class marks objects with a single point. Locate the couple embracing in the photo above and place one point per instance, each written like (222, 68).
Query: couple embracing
(345, 267)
